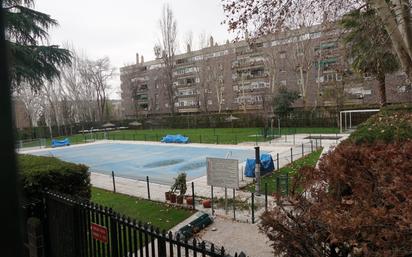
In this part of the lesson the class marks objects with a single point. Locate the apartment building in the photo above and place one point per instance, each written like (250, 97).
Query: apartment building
(245, 76)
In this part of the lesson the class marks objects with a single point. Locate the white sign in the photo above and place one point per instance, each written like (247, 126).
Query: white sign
(223, 172)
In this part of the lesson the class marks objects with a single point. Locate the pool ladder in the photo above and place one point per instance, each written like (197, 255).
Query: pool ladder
(229, 154)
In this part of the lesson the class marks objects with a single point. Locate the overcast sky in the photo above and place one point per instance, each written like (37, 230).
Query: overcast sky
(120, 29)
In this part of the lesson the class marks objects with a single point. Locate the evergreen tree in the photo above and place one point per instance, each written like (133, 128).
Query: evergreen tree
(370, 46)
(282, 102)
(32, 61)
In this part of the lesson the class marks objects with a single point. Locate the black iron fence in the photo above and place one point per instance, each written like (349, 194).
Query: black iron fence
(81, 228)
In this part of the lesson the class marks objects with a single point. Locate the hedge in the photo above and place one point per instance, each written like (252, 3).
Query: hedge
(387, 126)
(40, 172)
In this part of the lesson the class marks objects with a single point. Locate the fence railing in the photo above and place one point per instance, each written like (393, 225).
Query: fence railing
(104, 232)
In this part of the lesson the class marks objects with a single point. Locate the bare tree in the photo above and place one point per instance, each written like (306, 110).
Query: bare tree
(168, 46)
(77, 89)
(96, 74)
(267, 16)
(188, 41)
(30, 99)
(203, 40)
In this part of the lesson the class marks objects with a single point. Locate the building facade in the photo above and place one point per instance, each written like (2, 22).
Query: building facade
(245, 76)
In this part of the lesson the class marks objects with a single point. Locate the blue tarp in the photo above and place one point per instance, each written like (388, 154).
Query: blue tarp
(175, 139)
(56, 143)
(266, 165)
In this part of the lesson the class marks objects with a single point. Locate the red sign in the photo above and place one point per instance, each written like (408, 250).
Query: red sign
(99, 233)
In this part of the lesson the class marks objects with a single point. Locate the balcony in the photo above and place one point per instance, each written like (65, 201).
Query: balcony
(251, 77)
(187, 109)
(184, 85)
(244, 64)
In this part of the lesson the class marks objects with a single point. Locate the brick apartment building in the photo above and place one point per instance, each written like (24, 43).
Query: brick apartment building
(244, 77)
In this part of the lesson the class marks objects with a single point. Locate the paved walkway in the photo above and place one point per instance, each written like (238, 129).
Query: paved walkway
(236, 237)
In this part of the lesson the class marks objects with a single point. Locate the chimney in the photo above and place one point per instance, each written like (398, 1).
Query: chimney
(188, 48)
(137, 58)
(142, 59)
(211, 41)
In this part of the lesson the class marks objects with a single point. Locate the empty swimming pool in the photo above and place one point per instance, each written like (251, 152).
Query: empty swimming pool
(160, 162)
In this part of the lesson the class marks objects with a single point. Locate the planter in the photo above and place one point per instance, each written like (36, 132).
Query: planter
(167, 195)
(173, 197)
(207, 203)
(179, 199)
(189, 200)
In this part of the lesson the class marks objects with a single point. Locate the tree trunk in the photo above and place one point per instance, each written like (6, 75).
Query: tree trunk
(401, 45)
(382, 89)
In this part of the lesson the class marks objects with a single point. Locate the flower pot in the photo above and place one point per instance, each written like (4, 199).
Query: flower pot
(180, 199)
(173, 197)
(207, 203)
(167, 195)
(189, 200)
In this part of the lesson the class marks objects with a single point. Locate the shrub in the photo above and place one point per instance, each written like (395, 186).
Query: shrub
(357, 203)
(39, 172)
(386, 126)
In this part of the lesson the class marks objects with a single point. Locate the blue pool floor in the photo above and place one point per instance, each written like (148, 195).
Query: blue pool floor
(161, 163)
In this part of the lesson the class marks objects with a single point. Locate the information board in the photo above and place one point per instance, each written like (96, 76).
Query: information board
(223, 172)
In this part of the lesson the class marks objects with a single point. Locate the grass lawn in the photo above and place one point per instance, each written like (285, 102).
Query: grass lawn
(200, 135)
(159, 215)
(308, 160)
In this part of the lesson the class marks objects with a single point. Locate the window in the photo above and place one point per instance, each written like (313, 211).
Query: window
(282, 55)
(235, 88)
(209, 102)
(329, 77)
(166, 105)
(338, 77)
(283, 82)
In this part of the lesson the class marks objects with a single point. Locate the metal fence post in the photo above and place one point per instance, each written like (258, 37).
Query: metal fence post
(303, 150)
(287, 183)
(320, 141)
(311, 145)
(161, 243)
(277, 185)
(148, 187)
(113, 234)
(200, 138)
(253, 208)
(277, 161)
(293, 139)
(234, 204)
(193, 195)
(211, 202)
(217, 139)
(114, 183)
(266, 196)
(291, 154)
(235, 139)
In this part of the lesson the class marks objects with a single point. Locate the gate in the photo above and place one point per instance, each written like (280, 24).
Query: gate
(78, 228)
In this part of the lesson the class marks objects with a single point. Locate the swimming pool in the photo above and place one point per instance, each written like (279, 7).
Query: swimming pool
(161, 163)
